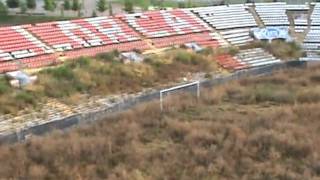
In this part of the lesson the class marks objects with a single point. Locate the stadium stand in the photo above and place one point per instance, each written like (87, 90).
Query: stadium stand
(311, 44)
(249, 58)
(38, 45)
(300, 16)
(226, 17)
(237, 37)
(300, 24)
(297, 7)
(84, 33)
(19, 48)
(203, 39)
(233, 21)
(315, 16)
(171, 27)
(17, 43)
(155, 24)
(273, 14)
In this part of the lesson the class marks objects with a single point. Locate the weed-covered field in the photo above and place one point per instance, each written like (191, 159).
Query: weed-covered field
(103, 75)
(256, 128)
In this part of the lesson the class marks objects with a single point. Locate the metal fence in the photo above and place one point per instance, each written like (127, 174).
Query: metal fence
(66, 123)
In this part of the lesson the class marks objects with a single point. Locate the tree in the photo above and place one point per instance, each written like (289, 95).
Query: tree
(23, 6)
(102, 5)
(3, 9)
(31, 4)
(128, 6)
(49, 5)
(12, 3)
(75, 5)
(66, 5)
(181, 4)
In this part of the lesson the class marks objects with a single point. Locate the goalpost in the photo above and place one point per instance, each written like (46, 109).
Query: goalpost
(162, 92)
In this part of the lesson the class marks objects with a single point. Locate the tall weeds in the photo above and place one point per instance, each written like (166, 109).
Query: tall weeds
(258, 128)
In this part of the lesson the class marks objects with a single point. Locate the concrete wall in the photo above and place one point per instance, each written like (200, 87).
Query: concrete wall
(66, 123)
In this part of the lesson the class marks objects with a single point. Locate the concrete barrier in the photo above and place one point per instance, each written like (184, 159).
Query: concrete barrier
(90, 117)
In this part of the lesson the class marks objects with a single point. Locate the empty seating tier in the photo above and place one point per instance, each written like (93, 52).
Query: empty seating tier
(315, 17)
(202, 39)
(272, 14)
(231, 63)
(34, 62)
(128, 46)
(233, 21)
(300, 24)
(298, 7)
(226, 17)
(311, 44)
(249, 58)
(157, 24)
(256, 57)
(84, 33)
(237, 37)
(17, 43)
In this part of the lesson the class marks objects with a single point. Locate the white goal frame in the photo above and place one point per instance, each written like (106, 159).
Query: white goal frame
(196, 83)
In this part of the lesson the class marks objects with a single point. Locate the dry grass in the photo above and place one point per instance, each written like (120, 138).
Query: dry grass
(257, 128)
(103, 75)
(280, 49)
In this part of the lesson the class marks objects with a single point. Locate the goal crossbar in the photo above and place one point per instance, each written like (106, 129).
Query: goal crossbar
(196, 83)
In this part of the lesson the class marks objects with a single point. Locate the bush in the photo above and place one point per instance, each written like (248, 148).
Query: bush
(4, 86)
(315, 78)
(233, 51)
(109, 56)
(270, 93)
(284, 50)
(82, 62)
(63, 72)
(309, 96)
(25, 98)
(183, 57)
(3, 9)
(12, 3)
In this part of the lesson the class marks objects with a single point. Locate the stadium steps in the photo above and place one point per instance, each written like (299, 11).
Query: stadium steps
(256, 16)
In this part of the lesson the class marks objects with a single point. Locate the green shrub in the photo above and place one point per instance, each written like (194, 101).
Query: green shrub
(109, 56)
(4, 86)
(81, 62)
(183, 57)
(25, 98)
(63, 72)
(270, 93)
(233, 51)
(206, 51)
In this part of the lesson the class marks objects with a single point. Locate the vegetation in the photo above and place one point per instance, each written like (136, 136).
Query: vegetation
(50, 5)
(31, 4)
(281, 49)
(23, 7)
(66, 5)
(256, 128)
(12, 3)
(105, 75)
(102, 5)
(3, 9)
(128, 6)
(75, 5)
